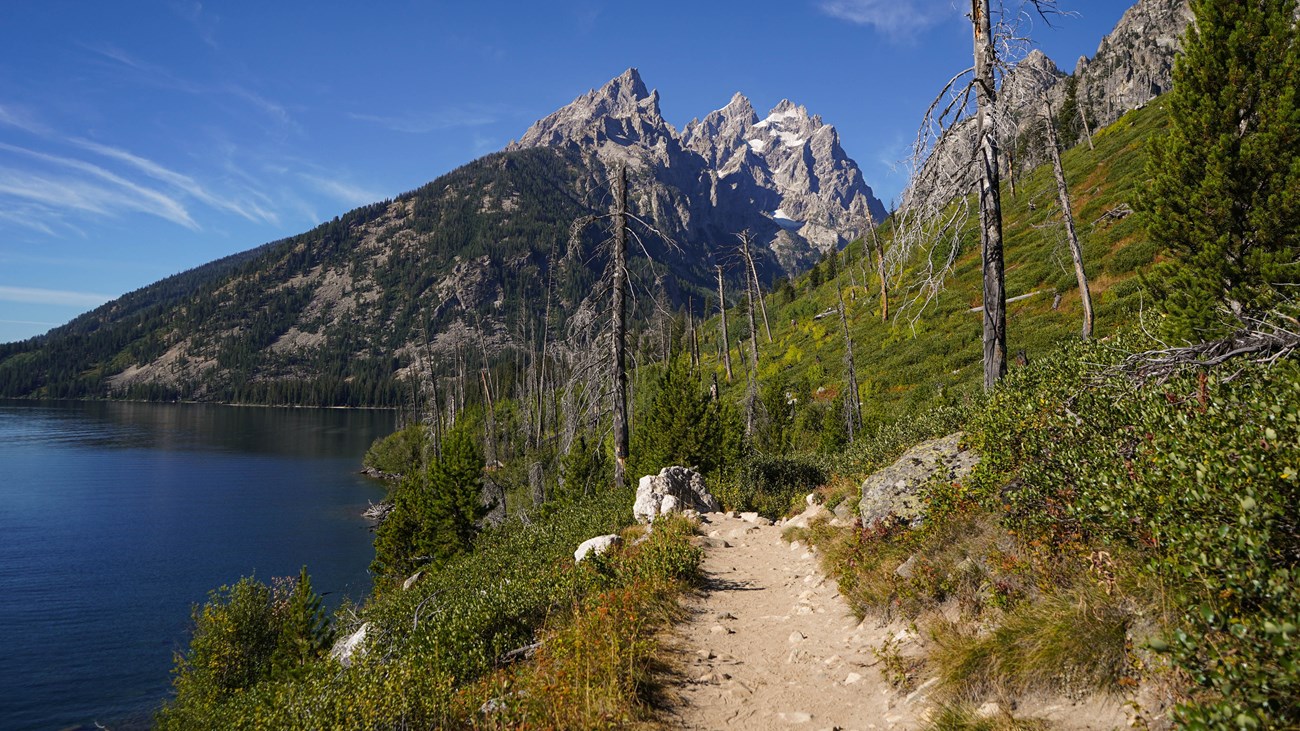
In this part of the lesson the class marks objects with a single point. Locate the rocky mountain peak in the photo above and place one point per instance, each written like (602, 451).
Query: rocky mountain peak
(1135, 62)
(784, 177)
(586, 119)
(1025, 85)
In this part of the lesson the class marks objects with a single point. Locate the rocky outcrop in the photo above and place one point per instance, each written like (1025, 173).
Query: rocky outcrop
(346, 648)
(1135, 62)
(673, 490)
(785, 178)
(595, 546)
(895, 490)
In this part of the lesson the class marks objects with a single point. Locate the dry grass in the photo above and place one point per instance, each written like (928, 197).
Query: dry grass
(1072, 642)
(599, 666)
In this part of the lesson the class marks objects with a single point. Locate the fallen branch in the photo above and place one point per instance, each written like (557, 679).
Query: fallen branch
(1120, 211)
(1264, 342)
(526, 653)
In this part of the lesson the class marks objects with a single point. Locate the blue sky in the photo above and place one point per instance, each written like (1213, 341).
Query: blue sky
(142, 138)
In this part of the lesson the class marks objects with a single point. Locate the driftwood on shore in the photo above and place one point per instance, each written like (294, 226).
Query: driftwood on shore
(377, 474)
(378, 511)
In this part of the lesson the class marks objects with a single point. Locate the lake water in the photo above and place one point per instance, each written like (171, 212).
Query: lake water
(116, 517)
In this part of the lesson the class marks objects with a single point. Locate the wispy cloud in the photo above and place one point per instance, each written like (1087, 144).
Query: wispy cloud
(341, 191)
(425, 122)
(894, 18)
(205, 23)
(250, 211)
(36, 296)
(22, 119)
(163, 78)
(111, 194)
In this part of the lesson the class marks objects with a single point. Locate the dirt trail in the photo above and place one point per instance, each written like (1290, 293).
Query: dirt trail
(770, 643)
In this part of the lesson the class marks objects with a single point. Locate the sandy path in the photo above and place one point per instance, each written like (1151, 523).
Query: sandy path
(770, 643)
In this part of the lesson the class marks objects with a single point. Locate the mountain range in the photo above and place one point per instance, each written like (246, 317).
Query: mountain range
(481, 258)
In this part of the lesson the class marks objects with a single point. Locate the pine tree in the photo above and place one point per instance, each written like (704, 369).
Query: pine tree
(684, 426)
(435, 513)
(456, 504)
(1224, 196)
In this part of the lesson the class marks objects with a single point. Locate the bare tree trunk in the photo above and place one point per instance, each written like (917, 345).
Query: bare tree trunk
(853, 402)
(722, 316)
(693, 341)
(1063, 192)
(881, 269)
(995, 305)
(1011, 168)
(490, 422)
(1083, 117)
(619, 317)
(753, 273)
(751, 396)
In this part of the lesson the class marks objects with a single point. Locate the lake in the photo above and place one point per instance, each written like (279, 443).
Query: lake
(116, 517)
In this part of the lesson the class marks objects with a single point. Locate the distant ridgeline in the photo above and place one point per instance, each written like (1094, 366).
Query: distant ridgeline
(474, 277)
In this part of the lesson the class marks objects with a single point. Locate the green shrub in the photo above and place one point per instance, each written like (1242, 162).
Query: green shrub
(435, 512)
(1196, 473)
(246, 634)
(684, 426)
(399, 453)
(769, 485)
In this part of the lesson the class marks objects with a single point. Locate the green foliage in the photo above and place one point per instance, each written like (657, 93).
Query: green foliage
(773, 433)
(435, 512)
(244, 635)
(401, 453)
(1224, 195)
(431, 650)
(682, 425)
(586, 468)
(769, 485)
(1198, 474)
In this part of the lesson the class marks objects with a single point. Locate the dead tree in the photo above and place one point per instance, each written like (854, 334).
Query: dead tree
(852, 402)
(882, 267)
(990, 197)
(745, 241)
(618, 218)
(956, 150)
(751, 395)
(1063, 193)
(722, 318)
(619, 315)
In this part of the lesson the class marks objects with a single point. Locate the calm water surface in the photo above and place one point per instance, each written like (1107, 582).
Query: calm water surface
(116, 517)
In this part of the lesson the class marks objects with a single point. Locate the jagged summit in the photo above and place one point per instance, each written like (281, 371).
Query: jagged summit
(584, 120)
(784, 177)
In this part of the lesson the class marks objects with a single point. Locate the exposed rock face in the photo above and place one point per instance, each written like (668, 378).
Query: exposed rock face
(1134, 63)
(819, 190)
(595, 546)
(894, 490)
(347, 647)
(673, 490)
(785, 178)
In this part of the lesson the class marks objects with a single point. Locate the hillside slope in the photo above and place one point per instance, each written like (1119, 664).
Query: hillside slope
(930, 353)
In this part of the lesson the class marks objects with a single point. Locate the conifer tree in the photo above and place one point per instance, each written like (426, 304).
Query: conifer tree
(1224, 197)
(435, 513)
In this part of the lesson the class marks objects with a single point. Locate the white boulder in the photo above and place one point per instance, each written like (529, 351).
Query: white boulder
(674, 489)
(596, 546)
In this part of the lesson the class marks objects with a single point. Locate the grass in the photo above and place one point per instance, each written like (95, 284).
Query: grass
(1070, 642)
(906, 367)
